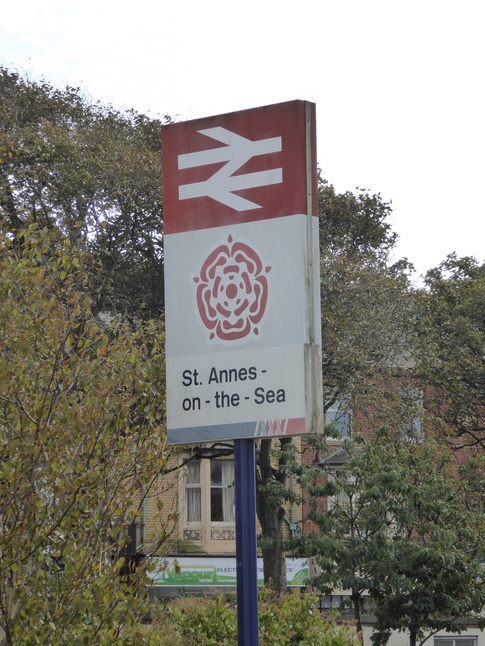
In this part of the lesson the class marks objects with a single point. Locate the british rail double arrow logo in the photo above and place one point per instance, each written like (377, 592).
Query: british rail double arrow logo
(223, 183)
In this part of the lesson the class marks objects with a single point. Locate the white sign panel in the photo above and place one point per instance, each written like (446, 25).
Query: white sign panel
(242, 296)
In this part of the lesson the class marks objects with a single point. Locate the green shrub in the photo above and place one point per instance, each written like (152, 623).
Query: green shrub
(283, 620)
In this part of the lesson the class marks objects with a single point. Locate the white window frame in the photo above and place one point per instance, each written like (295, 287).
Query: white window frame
(452, 640)
(339, 416)
(415, 397)
(228, 492)
(196, 486)
(205, 486)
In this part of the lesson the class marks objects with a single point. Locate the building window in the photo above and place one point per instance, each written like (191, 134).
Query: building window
(210, 484)
(337, 417)
(342, 503)
(412, 411)
(193, 492)
(222, 491)
(455, 641)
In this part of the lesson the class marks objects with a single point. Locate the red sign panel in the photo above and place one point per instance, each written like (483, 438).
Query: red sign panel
(242, 275)
(239, 167)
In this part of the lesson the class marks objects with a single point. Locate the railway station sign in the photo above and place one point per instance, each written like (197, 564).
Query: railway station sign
(242, 296)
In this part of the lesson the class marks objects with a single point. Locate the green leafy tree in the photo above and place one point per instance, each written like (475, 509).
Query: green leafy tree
(452, 331)
(339, 541)
(366, 301)
(367, 331)
(272, 492)
(354, 224)
(81, 440)
(432, 575)
(393, 529)
(365, 306)
(93, 172)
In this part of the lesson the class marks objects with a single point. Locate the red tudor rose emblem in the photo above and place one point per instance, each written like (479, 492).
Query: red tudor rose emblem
(232, 292)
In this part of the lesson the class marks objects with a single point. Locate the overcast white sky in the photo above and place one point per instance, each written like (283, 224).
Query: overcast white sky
(399, 86)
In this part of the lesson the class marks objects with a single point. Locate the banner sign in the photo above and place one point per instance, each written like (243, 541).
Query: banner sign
(242, 297)
(209, 572)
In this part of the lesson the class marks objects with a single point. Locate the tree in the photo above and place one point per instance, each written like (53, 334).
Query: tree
(367, 329)
(354, 224)
(377, 336)
(452, 332)
(81, 440)
(272, 493)
(93, 172)
(432, 575)
(396, 526)
(367, 310)
(395, 529)
(340, 542)
(364, 309)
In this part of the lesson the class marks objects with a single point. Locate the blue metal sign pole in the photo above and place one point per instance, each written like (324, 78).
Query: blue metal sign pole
(246, 553)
